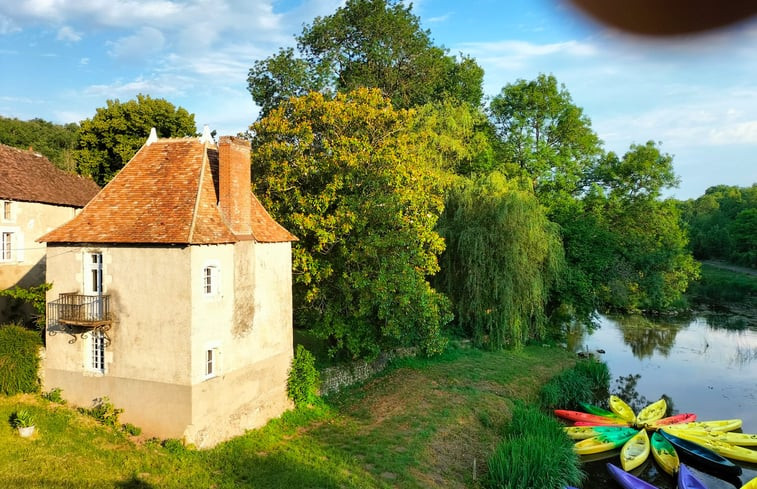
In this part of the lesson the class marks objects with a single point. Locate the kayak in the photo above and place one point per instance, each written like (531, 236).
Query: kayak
(721, 448)
(619, 407)
(664, 453)
(592, 409)
(719, 425)
(687, 480)
(752, 484)
(670, 420)
(653, 412)
(626, 480)
(601, 443)
(635, 451)
(740, 439)
(701, 455)
(584, 432)
(616, 424)
(579, 416)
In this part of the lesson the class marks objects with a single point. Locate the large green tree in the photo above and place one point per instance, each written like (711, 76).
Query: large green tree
(367, 43)
(349, 178)
(112, 137)
(502, 258)
(545, 138)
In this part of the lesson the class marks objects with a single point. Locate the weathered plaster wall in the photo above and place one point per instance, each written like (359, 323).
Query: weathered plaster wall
(165, 322)
(29, 221)
(253, 334)
(148, 361)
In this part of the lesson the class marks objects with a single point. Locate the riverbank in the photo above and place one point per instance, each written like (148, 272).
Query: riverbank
(425, 423)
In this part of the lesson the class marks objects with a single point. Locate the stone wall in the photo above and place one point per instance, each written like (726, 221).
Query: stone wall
(334, 379)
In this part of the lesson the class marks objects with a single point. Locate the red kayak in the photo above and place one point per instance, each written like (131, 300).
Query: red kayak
(593, 419)
(678, 418)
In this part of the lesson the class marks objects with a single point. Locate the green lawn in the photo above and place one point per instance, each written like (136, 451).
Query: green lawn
(421, 424)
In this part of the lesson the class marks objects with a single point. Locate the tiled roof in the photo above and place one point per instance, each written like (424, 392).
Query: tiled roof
(166, 194)
(29, 177)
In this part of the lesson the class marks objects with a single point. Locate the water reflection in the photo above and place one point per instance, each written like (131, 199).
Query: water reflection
(645, 337)
(707, 368)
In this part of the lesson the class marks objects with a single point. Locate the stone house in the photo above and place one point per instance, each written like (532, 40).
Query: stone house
(172, 295)
(35, 197)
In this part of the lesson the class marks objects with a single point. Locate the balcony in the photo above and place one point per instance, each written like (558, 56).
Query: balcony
(85, 311)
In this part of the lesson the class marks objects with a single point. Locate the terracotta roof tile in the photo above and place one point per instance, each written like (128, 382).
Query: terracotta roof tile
(29, 177)
(167, 193)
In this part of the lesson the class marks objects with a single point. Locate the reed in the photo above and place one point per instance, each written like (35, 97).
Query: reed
(588, 381)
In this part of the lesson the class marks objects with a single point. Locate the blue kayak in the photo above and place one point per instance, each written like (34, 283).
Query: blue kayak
(701, 456)
(687, 480)
(627, 480)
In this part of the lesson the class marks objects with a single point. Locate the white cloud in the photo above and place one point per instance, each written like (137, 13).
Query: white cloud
(7, 25)
(157, 87)
(67, 33)
(438, 19)
(84, 61)
(145, 42)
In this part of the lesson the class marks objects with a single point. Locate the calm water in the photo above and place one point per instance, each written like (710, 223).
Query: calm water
(705, 365)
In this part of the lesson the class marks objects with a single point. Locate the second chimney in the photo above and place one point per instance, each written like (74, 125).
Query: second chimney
(234, 183)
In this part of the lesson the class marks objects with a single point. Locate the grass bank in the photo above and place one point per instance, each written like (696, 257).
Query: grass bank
(422, 424)
(722, 286)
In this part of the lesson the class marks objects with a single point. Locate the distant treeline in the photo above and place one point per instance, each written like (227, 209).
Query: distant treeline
(723, 224)
(54, 141)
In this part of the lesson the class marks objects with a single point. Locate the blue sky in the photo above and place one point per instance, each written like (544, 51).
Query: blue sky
(697, 95)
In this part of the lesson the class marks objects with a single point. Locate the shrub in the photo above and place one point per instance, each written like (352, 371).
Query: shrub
(19, 360)
(303, 379)
(587, 381)
(22, 419)
(34, 296)
(54, 395)
(131, 429)
(104, 411)
(535, 453)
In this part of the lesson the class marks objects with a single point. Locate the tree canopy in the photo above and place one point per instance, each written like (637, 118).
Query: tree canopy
(367, 43)
(545, 138)
(113, 136)
(54, 141)
(502, 258)
(350, 180)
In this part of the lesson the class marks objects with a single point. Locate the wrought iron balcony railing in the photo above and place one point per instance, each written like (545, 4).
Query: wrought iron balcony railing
(89, 311)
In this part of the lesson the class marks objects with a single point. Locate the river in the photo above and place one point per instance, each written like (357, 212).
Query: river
(706, 365)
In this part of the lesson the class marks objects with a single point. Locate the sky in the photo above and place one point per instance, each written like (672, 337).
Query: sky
(696, 95)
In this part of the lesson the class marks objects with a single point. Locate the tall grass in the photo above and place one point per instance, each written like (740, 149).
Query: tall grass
(535, 454)
(588, 381)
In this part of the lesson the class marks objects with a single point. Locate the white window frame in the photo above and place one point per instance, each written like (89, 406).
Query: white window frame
(211, 363)
(211, 280)
(11, 245)
(7, 211)
(6, 245)
(93, 273)
(96, 352)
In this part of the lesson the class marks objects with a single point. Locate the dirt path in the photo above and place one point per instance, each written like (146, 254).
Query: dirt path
(728, 266)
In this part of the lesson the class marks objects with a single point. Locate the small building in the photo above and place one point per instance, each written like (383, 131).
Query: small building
(172, 295)
(35, 197)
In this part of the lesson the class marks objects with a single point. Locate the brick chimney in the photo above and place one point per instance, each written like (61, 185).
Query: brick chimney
(234, 183)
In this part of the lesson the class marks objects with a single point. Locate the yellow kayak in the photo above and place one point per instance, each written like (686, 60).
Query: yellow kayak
(721, 448)
(740, 439)
(600, 443)
(635, 451)
(619, 407)
(752, 484)
(584, 432)
(664, 454)
(719, 425)
(653, 412)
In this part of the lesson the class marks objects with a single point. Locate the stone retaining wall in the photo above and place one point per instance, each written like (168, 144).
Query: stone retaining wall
(333, 379)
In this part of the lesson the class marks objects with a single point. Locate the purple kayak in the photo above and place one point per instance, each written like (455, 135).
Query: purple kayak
(627, 480)
(687, 480)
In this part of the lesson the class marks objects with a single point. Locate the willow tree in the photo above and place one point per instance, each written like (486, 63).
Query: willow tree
(353, 182)
(502, 257)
